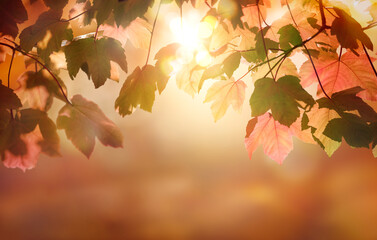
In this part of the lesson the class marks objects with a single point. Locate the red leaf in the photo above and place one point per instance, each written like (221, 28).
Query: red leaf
(275, 138)
(335, 75)
(29, 159)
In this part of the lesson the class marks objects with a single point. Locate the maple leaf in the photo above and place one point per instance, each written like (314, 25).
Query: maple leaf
(231, 10)
(164, 57)
(12, 12)
(25, 136)
(225, 93)
(189, 78)
(27, 160)
(138, 90)
(83, 121)
(352, 128)
(127, 11)
(39, 88)
(318, 119)
(281, 97)
(275, 137)
(348, 31)
(289, 37)
(138, 33)
(47, 33)
(350, 71)
(96, 56)
(347, 100)
(8, 99)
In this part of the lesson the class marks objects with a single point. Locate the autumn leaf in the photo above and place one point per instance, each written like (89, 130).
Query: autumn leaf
(127, 11)
(12, 12)
(347, 100)
(352, 128)
(83, 121)
(289, 37)
(225, 93)
(138, 90)
(8, 99)
(29, 158)
(348, 31)
(231, 10)
(275, 138)
(318, 119)
(188, 78)
(47, 34)
(39, 88)
(21, 141)
(96, 55)
(350, 71)
(282, 97)
(138, 33)
(164, 57)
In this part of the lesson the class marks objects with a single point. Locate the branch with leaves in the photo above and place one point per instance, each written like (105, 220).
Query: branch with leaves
(336, 48)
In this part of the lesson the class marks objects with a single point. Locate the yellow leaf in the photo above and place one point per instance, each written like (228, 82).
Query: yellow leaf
(225, 93)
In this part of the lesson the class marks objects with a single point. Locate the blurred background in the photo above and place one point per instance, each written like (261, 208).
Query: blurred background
(182, 176)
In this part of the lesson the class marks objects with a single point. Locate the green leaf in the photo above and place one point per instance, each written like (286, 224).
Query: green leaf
(347, 100)
(8, 99)
(138, 90)
(103, 9)
(83, 121)
(42, 78)
(164, 56)
(47, 33)
(260, 43)
(231, 10)
(289, 37)
(354, 130)
(211, 73)
(97, 55)
(127, 11)
(12, 12)
(231, 63)
(348, 31)
(281, 97)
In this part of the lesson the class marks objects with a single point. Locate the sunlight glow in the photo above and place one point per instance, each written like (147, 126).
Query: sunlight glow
(190, 31)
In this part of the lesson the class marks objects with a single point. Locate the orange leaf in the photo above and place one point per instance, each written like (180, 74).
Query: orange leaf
(275, 138)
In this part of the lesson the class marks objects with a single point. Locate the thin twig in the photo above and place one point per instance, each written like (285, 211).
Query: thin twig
(40, 63)
(153, 28)
(9, 70)
(370, 60)
(67, 20)
(264, 42)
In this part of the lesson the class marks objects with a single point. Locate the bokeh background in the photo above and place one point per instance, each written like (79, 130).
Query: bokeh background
(182, 176)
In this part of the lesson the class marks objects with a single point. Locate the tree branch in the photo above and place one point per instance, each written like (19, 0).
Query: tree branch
(40, 63)
(154, 26)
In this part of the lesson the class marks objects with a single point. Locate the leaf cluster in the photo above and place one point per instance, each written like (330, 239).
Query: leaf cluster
(335, 44)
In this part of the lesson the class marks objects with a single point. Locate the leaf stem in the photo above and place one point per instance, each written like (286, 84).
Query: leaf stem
(370, 60)
(40, 63)
(154, 26)
(264, 42)
(9, 71)
(67, 20)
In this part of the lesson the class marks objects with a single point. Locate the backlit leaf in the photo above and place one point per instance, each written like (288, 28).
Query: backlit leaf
(83, 121)
(97, 56)
(138, 90)
(351, 71)
(282, 97)
(225, 93)
(275, 138)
